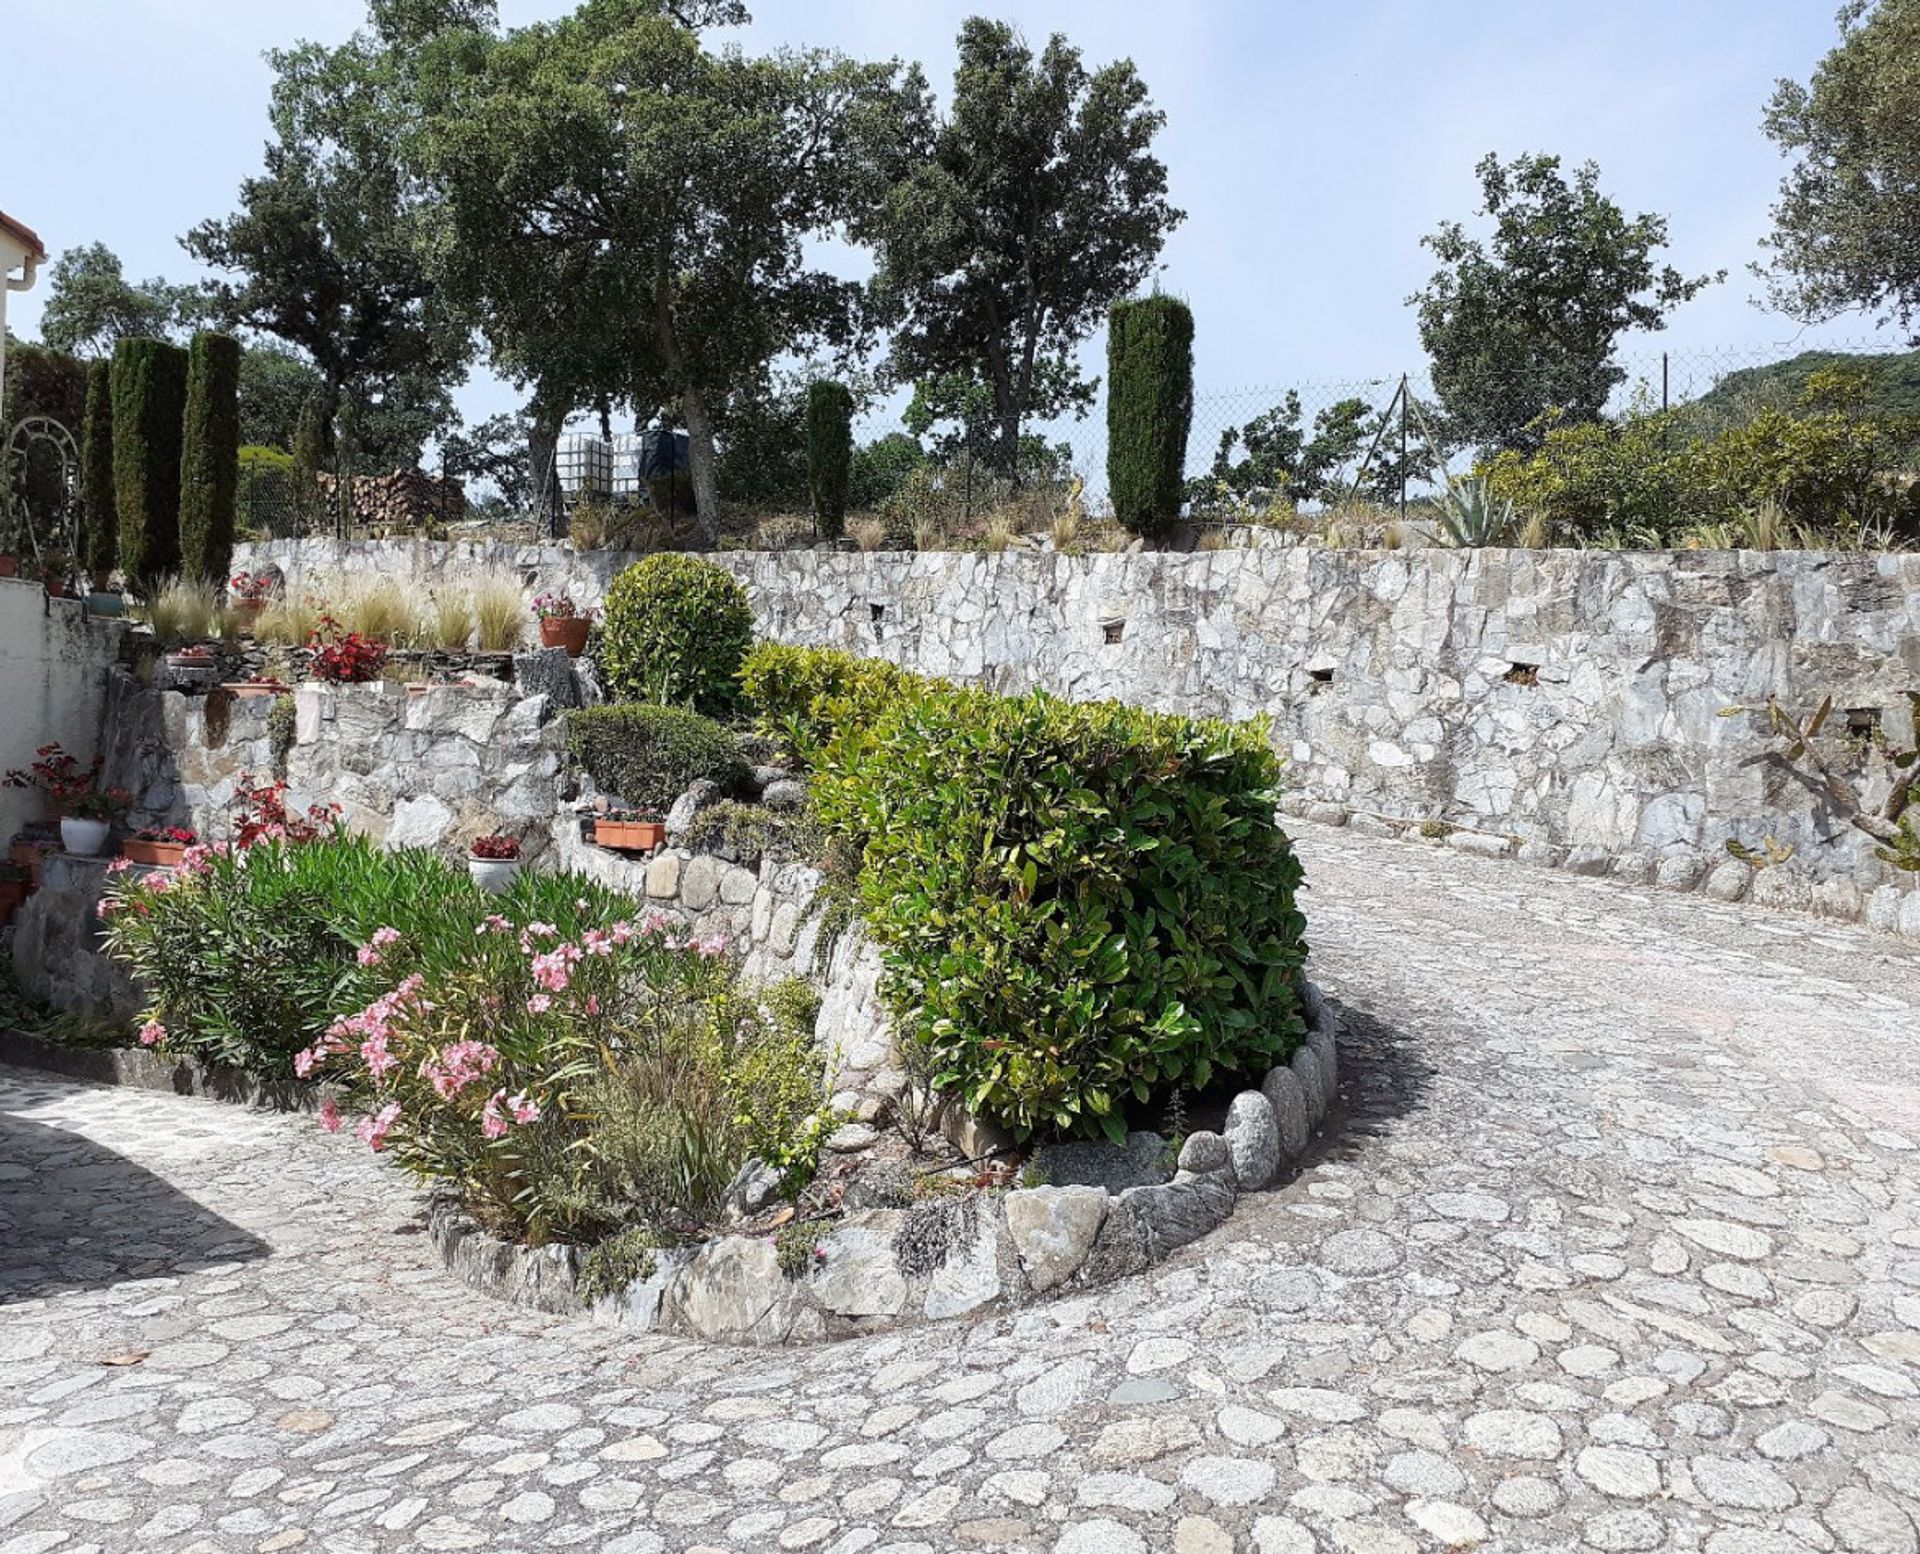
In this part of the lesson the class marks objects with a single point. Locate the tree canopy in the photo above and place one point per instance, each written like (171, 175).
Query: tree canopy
(1526, 320)
(1006, 227)
(625, 213)
(1846, 232)
(91, 305)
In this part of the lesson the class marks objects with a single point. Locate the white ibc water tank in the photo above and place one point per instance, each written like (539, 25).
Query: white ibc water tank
(629, 453)
(584, 466)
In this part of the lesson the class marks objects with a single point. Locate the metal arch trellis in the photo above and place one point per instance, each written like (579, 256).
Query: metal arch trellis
(29, 438)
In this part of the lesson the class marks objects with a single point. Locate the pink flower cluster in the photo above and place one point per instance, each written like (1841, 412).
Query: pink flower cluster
(374, 1126)
(152, 1034)
(458, 1066)
(502, 1110)
(371, 1028)
(369, 953)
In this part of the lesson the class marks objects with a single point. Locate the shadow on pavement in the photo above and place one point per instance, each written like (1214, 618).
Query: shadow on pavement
(74, 1215)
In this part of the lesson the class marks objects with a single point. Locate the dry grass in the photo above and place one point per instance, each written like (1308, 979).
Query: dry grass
(383, 611)
(999, 533)
(183, 611)
(868, 532)
(288, 621)
(453, 619)
(499, 613)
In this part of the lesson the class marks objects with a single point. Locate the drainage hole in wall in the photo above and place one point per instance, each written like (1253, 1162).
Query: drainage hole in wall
(1321, 676)
(1863, 724)
(1523, 674)
(1113, 631)
(878, 611)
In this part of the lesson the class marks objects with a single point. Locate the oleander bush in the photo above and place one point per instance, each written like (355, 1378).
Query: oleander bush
(1082, 908)
(579, 1075)
(674, 632)
(648, 756)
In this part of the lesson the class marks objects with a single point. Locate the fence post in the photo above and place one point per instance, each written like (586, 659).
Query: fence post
(1663, 381)
(1403, 448)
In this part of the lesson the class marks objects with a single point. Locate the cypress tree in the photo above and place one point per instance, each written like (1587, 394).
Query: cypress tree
(309, 458)
(1149, 410)
(210, 457)
(829, 455)
(149, 407)
(100, 537)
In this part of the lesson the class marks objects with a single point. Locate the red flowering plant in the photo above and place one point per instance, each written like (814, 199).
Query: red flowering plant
(344, 658)
(58, 774)
(180, 836)
(260, 813)
(253, 587)
(497, 847)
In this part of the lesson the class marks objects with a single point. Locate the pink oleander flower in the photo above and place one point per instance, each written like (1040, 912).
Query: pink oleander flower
(152, 1034)
(375, 1054)
(594, 942)
(593, 1003)
(458, 1066)
(622, 932)
(106, 908)
(306, 1061)
(367, 955)
(120, 866)
(540, 1003)
(524, 1108)
(330, 1118)
(502, 1110)
(494, 923)
(375, 1126)
(713, 946)
(382, 937)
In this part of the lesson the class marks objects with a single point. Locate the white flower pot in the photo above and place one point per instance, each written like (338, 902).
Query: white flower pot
(83, 838)
(493, 875)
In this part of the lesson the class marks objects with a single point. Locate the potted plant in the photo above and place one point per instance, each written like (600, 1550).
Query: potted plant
(57, 776)
(54, 568)
(629, 830)
(13, 890)
(493, 861)
(345, 660)
(87, 818)
(161, 846)
(259, 685)
(250, 593)
(563, 624)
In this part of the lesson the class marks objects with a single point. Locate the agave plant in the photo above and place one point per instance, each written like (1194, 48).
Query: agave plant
(1471, 515)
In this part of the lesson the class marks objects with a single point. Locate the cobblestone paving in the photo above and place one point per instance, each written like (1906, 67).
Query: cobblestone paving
(1621, 1248)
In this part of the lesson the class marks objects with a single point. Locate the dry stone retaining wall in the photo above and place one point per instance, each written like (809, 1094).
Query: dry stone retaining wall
(1562, 705)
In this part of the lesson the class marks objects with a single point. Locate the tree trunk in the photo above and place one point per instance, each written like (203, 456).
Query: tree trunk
(543, 436)
(704, 465)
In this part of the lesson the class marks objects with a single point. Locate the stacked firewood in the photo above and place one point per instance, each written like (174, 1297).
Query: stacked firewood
(405, 499)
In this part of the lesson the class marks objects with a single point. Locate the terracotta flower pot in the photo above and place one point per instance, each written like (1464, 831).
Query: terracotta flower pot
(9, 566)
(565, 631)
(244, 688)
(162, 855)
(629, 836)
(247, 613)
(56, 588)
(12, 893)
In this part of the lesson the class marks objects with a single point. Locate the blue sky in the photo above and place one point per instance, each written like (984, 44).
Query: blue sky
(1311, 143)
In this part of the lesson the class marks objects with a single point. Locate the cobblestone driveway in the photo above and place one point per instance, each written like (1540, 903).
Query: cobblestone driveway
(1621, 1247)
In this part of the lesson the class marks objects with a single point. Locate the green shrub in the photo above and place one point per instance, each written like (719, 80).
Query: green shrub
(100, 538)
(1149, 410)
(210, 457)
(804, 697)
(676, 629)
(1081, 908)
(829, 455)
(246, 964)
(747, 833)
(149, 381)
(648, 756)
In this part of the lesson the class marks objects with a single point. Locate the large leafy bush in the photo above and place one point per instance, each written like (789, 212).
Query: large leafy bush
(650, 755)
(804, 697)
(676, 629)
(1081, 908)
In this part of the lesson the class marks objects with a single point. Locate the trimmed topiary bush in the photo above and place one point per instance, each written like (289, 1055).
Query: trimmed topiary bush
(210, 458)
(676, 629)
(1149, 410)
(149, 381)
(829, 455)
(1082, 908)
(648, 756)
(100, 535)
(804, 697)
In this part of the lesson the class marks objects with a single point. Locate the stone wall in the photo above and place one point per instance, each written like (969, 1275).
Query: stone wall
(1563, 705)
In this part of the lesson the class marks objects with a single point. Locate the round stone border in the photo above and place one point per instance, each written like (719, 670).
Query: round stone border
(878, 1269)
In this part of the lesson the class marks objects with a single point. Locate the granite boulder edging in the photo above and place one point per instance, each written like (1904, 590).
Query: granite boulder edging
(883, 1268)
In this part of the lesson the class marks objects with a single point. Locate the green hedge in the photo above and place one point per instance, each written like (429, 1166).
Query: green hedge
(100, 537)
(829, 455)
(804, 697)
(676, 629)
(649, 756)
(1149, 410)
(149, 381)
(210, 458)
(1082, 908)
